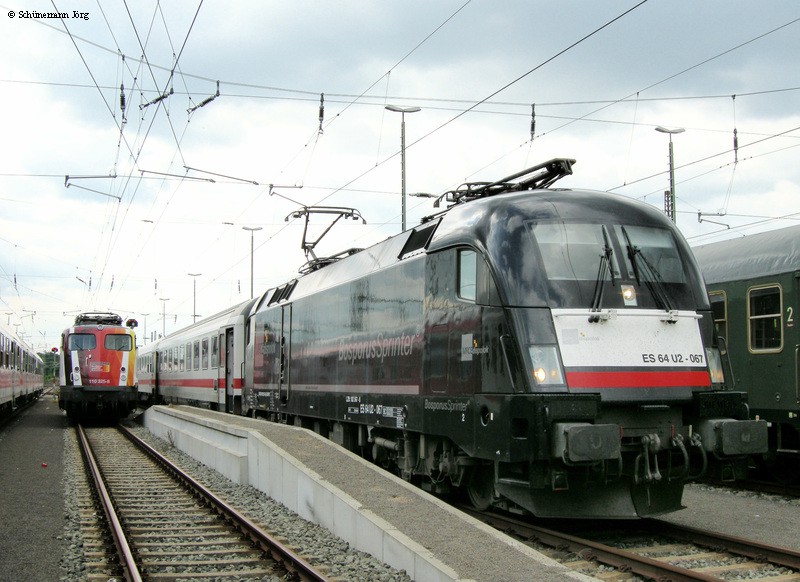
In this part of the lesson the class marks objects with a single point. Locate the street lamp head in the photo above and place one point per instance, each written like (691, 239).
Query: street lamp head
(251, 228)
(662, 129)
(399, 109)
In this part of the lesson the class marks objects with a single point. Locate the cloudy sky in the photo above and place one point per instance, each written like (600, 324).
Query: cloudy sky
(111, 209)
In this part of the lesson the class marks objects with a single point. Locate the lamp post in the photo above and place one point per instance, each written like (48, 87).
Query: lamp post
(670, 208)
(252, 229)
(145, 328)
(194, 277)
(402, 111)
(163, 316)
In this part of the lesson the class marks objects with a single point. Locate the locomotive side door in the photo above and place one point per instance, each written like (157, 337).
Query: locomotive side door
(285, 353)
(269, 361)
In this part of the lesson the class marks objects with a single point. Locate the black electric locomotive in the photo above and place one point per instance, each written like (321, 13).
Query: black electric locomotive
(754, 287)
(539, 348)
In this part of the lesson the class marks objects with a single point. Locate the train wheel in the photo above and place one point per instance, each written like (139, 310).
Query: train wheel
(481, 487)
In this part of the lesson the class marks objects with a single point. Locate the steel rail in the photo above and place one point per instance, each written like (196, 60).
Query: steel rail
(278, 551)
(587, 549)
(752, 549)
(127, 561)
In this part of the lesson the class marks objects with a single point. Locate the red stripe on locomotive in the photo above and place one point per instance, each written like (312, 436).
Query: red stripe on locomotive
(638, 379)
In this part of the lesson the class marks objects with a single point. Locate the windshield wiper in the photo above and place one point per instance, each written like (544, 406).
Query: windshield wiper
(652, 278)
(605, 265)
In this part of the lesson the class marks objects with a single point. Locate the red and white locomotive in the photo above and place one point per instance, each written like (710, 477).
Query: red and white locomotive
(98, 367)
(21, 371)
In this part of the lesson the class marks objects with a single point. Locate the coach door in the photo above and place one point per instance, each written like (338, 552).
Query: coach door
(155, 395)
(227, 394)
(792, 315)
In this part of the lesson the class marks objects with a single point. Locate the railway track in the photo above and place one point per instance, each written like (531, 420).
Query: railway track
(150, 520)
(655, 550)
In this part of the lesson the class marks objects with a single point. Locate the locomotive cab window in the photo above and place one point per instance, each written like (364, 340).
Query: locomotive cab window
(571, 251)
(657, 250)
(467, 275)
(120, 342)
(81, 341)
(765, 318)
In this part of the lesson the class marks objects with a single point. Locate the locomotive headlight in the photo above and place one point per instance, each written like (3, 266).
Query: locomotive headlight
(715, 365)
(545, 366)
(629, 295)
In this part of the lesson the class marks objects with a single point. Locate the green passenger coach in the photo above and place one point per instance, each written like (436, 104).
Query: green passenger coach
(753, 283)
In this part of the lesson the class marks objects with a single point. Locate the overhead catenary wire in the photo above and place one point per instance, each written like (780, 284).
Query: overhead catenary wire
(496, 92)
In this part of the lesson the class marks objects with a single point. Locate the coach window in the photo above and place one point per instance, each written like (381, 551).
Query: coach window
(182, 358)
(215, 352)
(467, 274)
(719, 308)
(196, 356)
(204, 352)
(120, 342)
(765, 318)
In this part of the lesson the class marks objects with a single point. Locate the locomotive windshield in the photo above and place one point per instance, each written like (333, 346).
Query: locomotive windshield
(570, 252)
(121, 342)
(657, 248)
(579, 257)
(81, 341)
